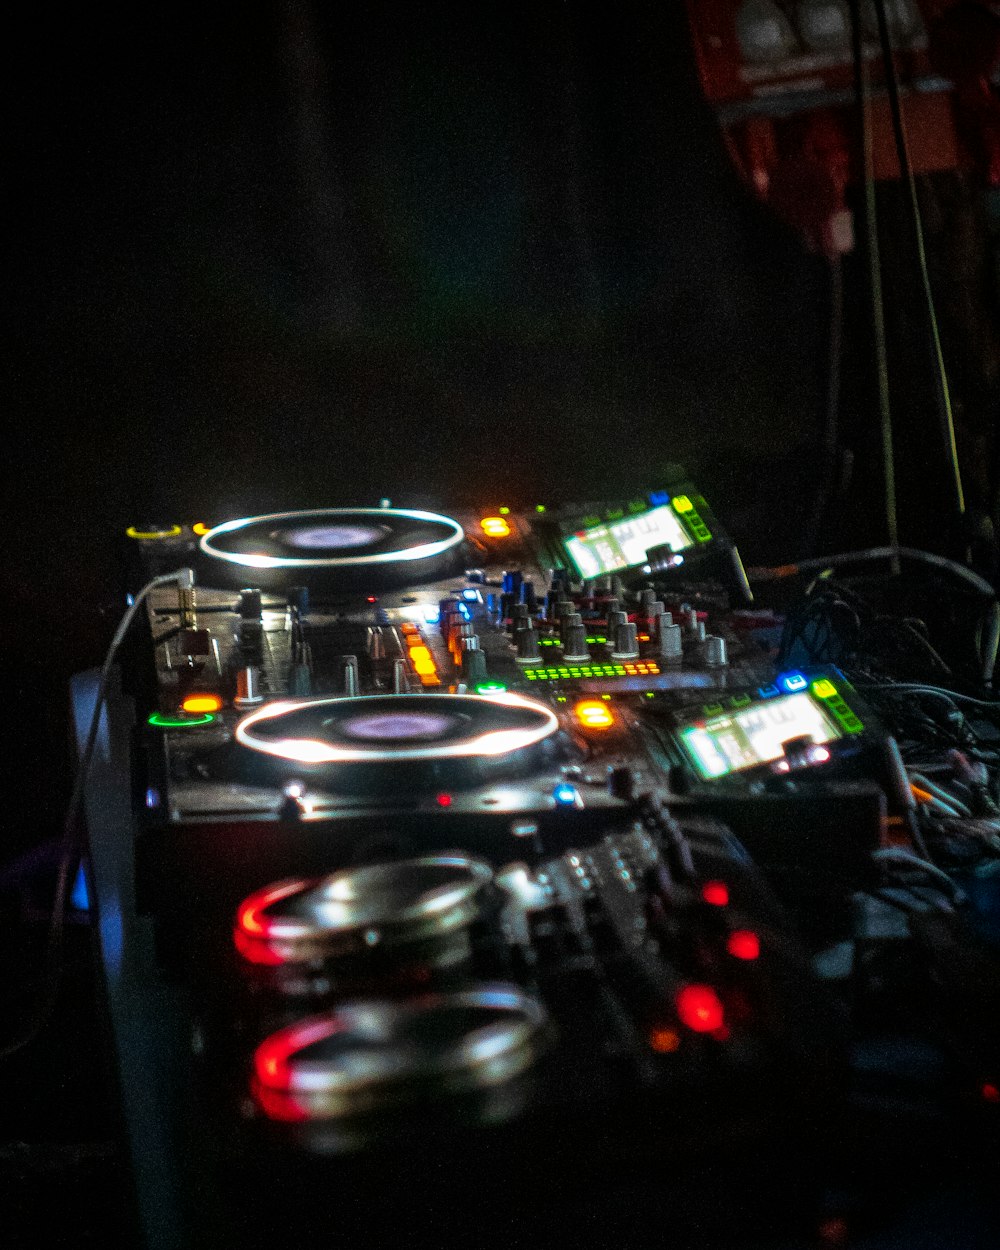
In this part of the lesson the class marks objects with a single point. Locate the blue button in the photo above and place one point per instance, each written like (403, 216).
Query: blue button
(565, 795)
(792, 682)
(767, 692)
(657, 497)
(473, 595)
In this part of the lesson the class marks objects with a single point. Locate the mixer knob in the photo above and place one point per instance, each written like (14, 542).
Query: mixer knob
(298, 601)
(699, 632)
(626, 643)
(563, 608)
(529, 596)
(522, 615)
(376, 644)
(511, 582)
(400, 684)
(656, 610)
(248, 692)
(300, 681)
(615, 621)
(473, 662)
(507, 601)
(348, 665)
(647, 597)
(575, 643)
(715, 651)
(689, 616)
(671, 645)
(602, 584)
(621, 781)
(569, 620)
(612, 605)
(250, 606)
(528, 651)
(617, 586)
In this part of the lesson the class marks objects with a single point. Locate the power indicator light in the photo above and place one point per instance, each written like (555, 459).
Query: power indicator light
(824, 689)
(539, 507)
(491, 687)
(494, 527)
(593, 714)
(200, 703)
(681, 503)
(716, 893)
(443, 800)
(504, 511)
(743, 944)
(700, 1008)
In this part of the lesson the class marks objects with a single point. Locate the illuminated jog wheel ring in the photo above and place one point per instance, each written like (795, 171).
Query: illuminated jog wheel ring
(373, 1055)
(416, 908)
(344, 546)
(401, 741)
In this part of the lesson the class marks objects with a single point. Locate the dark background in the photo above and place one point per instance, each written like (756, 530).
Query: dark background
(295, 254)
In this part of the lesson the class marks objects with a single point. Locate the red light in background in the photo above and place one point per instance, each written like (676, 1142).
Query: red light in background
(716, 893)
(249, 918)
(743, 944)
(373, 599)
(444, 800)
(700, 1008)
(990, 1092)
(271, 1059)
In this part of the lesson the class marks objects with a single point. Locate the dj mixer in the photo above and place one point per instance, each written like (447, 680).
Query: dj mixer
(463, 877)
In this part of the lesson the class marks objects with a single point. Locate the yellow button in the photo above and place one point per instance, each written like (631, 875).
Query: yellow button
(494, 527)
(594, 715)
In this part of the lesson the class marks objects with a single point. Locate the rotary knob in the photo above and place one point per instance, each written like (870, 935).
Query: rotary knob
(575, 643)
(526, 641)
(626, 642)
(671, 643)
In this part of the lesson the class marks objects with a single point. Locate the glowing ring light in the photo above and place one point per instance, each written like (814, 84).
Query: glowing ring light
(492, 743)
(424, 551)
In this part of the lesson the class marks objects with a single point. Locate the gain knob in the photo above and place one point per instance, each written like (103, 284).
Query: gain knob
(473, 662)
(715, 651)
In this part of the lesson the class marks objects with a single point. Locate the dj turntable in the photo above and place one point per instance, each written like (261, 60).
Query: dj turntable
(456, 858)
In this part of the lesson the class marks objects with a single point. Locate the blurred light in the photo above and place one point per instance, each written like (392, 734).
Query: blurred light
(159, 721)
(152, 798)
(201, 703)
(565, 795)
(700, 1008)
(792, 682)
(824, 689)
(443, 800)
(172, 532)
(432, 616)
(594, 715)
(681, 503)
(504, 511)
(743, 944)
(490, 687)
(539, 507)
(494, 527)
(472, 594)
(716, 893)
(200, 528)
(664, 1041)
(990, 1092)
(80, 897)
(818, 755)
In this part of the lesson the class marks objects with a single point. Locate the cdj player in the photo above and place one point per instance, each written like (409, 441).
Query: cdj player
(467, 875)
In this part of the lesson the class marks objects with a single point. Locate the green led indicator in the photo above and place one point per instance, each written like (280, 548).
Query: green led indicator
(615, 514)
(539, 507)
(159, 721)
(824, 689)
(491, 687)
(504, 511)
(619, 670)
(740, 700)
(681, 503)
(637, 505)
(531, 676)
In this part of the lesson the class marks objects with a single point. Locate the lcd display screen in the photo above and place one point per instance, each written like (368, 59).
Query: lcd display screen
(624, 544)
(724, 744)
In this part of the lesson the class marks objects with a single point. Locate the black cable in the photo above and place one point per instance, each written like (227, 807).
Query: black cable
(862, 95)
(72, 831)
(831, 424)
(942, 392)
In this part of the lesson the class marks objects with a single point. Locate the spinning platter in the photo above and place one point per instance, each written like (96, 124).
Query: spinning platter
(433, 739)
(424, 904)
(376, 1054)
(351, 547)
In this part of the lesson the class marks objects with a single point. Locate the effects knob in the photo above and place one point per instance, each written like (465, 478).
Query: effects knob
(671, 643)
(348, 665)
(473, 662)
(575, 644)
(526, 641)
(626, 642)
